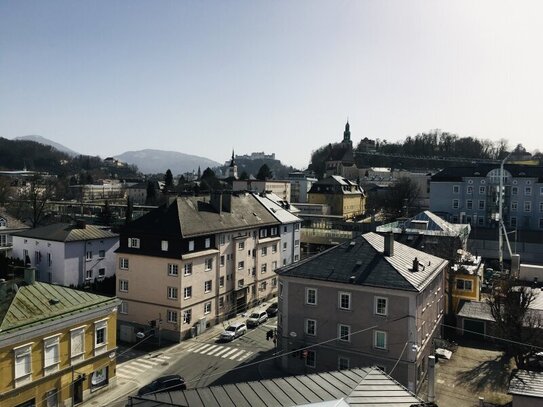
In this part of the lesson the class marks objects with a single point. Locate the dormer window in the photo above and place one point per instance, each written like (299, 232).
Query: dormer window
(3, 223)
(133, 242)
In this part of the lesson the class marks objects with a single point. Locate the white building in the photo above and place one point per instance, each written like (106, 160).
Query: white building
(68, 254)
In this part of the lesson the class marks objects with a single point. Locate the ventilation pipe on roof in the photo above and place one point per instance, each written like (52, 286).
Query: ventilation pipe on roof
(227, 202)
(30, 275)
(415, 267)
(389, 244)
(431, 379)
(216, 201)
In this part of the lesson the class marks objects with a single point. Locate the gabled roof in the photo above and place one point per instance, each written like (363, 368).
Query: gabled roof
(451, 174)
(362, 261)
(354, 387)
(278, 211)
(37, 303)
(66, 232)
(193, 216)
(526, 383)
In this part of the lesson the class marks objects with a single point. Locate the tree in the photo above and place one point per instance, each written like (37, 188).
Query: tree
(515, 320)
(106, 215)
(168, 180)
(209, 181)
(151, 193)
(33, 198)
(244, 175)
(129, 210)
(264, 173)
(400, 200)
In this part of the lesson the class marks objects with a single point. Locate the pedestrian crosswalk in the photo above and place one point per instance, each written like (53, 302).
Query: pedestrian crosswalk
(225, 352)
(136, 367)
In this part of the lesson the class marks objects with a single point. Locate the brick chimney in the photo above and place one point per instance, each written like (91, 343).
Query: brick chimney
(389, 244)
(216, 201)
(227, 202)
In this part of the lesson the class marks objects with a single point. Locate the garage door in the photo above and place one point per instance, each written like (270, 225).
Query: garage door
(476, 329)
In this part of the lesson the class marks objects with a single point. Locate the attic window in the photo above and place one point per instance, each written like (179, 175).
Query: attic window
(476, 173)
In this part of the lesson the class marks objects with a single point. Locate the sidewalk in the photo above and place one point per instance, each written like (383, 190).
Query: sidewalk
(126, 387)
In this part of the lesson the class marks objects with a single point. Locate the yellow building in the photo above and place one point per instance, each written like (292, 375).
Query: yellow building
(466, 279)
(57, 344)
(345, 198)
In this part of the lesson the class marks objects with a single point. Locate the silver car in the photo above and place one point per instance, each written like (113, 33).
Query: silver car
(233, 331)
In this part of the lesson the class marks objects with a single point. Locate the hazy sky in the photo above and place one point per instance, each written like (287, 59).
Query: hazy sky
(203, 77)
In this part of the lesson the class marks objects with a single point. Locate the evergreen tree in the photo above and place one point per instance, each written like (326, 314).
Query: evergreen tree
(129, 210)
(168, 180)
(264, 173)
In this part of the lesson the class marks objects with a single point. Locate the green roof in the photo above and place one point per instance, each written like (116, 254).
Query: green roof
(38, 303)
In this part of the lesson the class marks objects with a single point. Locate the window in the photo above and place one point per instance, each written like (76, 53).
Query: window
(274, 265)
(241, 246)
(456, 189)
(123, 263)
(455, 204)
(263, 233)
(274, 282)
(262, 286)
(482, 190)
(187, 292)
(540, 206)
(51, 354)
(51, 398)
(187, 269)
(133, 242)
(191, 245)
(222, 261)
(164, 245)
(207, 243)
(187, 316)
(101, 253)
(221, 239)
(280, 290)
(88, 256)
(173, 269)
(344, 333)
(311, 358)
(528, 191)
(379, 339)
(541, 191)
(513, 222)
(172, 293)
(540, 223)
(3, 223)
(273, 231)
(209, 264)
(264, 268)
(469, 190)
(381, 306)
(296, 257)
(221, 281)
(469, 204)
(481, 221)
(77, 344)
(123, 308)
(241, 283)
(123, 286)
(264, 251)
(274, 248)
(296, 243)
(241, 265)
(49, 259)
(464, 285)
(527, 206)
(311, 296)
(284, 246)
(171, 316)
(100, 337)
(221, 302)
(207, 286)
(296, 226)
(343, 363)
(101, 273)
(89, 275)
(344, 301)
(207, 307)
(310, 327)
(481, 204)
(514, 206)
(514, 190)
(23, 364)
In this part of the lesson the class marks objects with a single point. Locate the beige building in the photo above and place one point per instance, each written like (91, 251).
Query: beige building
(345, 198)
(191, 264)
(279, 188)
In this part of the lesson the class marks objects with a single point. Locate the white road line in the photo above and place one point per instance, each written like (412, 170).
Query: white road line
(229, 353)
(132, 367)
(149, 362)
(224, 349)
(270, 326)
(139, 364)
(219, 348)
(235, 355)
(208, 349)
(163, 357)
(124, 375)
(201, 348)
(249, 353)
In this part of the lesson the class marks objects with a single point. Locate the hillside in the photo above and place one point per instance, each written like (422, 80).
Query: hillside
(47, 142)
(158, 161)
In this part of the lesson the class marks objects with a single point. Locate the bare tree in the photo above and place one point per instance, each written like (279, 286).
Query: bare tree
(33, 198)
(516, 321)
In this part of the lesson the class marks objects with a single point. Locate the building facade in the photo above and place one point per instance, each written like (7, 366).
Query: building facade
(195, 262)
(345, 198)
(68, 254)
(8, 226)
(57, 344)
(368, 302)
(279, 188)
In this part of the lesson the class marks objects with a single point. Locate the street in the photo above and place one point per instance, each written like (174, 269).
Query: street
(202, 361)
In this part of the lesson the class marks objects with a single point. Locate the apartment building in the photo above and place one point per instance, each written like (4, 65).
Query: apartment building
(194, 262)
(367, 302)
(8, 226)
(345, 198)
(277, 187)
(68, 254)
(57, 344)
(300, 184)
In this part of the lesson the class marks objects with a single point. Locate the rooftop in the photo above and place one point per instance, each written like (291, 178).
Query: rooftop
(527, 383)
(66, 232)
(481, 170)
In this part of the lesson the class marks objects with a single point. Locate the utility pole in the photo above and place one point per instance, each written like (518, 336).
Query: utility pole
(500, 214)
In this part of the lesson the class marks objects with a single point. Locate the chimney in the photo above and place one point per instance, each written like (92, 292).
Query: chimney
(30, 275)
(431, 379)
(227, 202)
(415, 265)
(389, 244)
(216, 201)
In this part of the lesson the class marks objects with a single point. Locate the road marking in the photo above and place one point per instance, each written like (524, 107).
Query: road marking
(229, 353)
(124, 375)
(163, 357)
(219, 348)
(139, 370)
(224, 349)
(139, 364)
(149, 362)
(270, 326)
(200, 348)
(249, 353)
(209, 349)
(235, 355)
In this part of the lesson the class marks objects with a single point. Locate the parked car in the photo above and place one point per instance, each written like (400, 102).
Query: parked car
(164, 383)
(233, 331)
(256, 318)
(272, 309)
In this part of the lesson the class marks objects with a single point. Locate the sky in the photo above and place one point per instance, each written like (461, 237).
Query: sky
(204, 77)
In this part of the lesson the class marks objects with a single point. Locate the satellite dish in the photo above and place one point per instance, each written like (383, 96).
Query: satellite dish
(140, 335)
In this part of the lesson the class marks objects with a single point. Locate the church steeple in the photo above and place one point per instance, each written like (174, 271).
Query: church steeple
(233, 169)
(347, 133)
(232, 160)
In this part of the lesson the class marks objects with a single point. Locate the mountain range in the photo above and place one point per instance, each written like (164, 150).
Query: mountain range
(47, 142)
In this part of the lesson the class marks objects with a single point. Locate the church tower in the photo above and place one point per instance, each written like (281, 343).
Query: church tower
(347, 133)
(233, 168)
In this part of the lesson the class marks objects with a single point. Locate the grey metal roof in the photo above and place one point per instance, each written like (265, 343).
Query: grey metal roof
(476, 310)
(278, 211)
(527, 383)
(12, 223)
(38, 302)
(451, 174)
(66, 232)
(360, 387)
(435, 226)
(362, 261)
